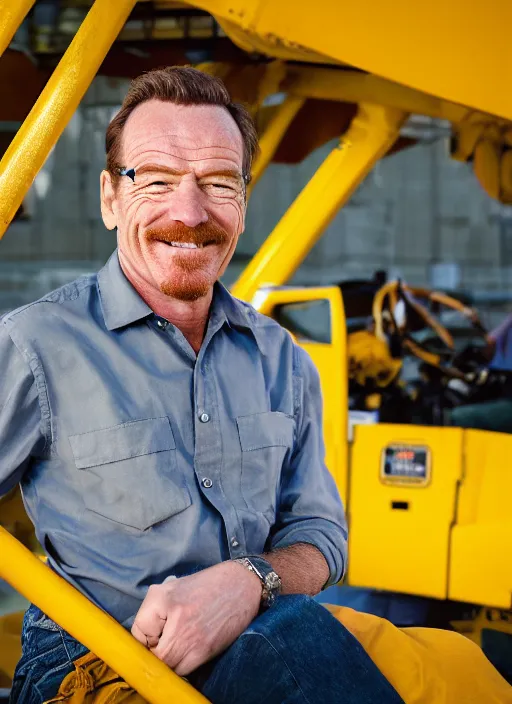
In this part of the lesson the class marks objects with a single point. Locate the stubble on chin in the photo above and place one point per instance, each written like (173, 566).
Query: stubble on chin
(188, 280)
(185, 291)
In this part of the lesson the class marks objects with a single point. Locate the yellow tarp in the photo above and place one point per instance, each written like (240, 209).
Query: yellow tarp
(94, 682)
(425, 665)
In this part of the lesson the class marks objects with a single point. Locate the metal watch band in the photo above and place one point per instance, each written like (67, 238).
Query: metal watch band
(270, 580)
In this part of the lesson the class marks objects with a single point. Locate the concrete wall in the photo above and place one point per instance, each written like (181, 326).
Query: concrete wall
(419, 215)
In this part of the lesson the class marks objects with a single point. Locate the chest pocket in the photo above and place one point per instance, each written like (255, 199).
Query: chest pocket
(129, 472)
(265, 438)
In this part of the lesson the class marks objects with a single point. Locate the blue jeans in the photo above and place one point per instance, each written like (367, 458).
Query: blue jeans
(295, 653)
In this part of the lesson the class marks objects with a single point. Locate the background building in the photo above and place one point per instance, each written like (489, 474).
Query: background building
(419, 215)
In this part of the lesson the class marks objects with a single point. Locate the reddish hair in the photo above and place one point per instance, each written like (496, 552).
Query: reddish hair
(182, 85)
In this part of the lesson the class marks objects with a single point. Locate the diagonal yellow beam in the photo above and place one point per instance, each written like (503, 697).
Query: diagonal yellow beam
(57, 103)
(94, 628)
(12, 14)
(273, 134)
(372, 132)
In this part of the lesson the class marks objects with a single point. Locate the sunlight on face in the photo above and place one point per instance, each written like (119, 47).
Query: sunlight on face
(180, 216)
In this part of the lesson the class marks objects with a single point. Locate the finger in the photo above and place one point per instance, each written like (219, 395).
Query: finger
(147, 641)
(170, 649)
(151, 617)
(148, 629)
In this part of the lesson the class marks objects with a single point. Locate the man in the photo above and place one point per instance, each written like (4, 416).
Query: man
(495, 412)
(162, 430)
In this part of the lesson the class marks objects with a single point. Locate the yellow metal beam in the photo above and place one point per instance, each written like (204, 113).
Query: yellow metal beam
(57, 103)
(372, 132)
(455, 50)
(12, 14)
(273, 134)
(94, 628)
(356, 87)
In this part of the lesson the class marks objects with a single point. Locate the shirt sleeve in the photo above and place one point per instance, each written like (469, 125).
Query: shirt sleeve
(310, 508)
(21, 423)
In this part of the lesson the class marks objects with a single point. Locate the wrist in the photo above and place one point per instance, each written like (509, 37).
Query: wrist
(270, 582)
(250, 580)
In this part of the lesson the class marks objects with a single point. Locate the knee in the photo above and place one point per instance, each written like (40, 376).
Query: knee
(288, 613)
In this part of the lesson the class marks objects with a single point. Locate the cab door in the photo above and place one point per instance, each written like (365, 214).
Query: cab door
(315, 318)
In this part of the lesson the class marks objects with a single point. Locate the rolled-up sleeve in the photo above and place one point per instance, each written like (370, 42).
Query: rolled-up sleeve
(22, 426)
(310, 509)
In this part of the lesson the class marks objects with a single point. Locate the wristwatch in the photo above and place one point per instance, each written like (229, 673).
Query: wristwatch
(270, 580)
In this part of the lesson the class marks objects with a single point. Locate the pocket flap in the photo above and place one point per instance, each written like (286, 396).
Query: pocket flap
(120, 442)
(271, 429)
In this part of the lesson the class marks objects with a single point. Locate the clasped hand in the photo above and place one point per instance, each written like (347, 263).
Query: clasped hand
(186, 622)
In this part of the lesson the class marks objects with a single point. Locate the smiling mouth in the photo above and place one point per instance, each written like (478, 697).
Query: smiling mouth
(188, 245)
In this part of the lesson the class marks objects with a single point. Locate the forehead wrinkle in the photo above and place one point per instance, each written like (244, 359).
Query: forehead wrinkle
(179, 158)
(140, 145)
(141, 132)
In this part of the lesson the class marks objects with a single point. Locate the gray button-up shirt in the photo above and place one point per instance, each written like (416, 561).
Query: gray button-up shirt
(139, 460)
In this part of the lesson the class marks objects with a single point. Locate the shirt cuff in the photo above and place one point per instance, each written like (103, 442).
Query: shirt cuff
(327, 537)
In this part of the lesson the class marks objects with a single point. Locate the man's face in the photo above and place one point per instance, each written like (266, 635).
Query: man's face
(179, 220)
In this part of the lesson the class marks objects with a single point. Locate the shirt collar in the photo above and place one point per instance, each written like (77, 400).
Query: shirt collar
(237, 314)
(120, 302)
(122, 305)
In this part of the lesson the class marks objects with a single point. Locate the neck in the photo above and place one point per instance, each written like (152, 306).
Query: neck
(191, 317)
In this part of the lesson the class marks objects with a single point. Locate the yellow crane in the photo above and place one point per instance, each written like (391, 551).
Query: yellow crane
(449, 522)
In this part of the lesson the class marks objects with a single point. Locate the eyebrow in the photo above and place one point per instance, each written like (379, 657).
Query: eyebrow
(159, 168)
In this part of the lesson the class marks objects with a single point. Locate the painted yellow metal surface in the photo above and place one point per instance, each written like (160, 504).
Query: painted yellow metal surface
(12, 13)
(372, 132)
(451, 50)
(273, 134)
(399, 535)
(480, 563)
(370, 361)
(331, 362)
(57, 103)
(93, 627)
(338, 83)
(446, 543)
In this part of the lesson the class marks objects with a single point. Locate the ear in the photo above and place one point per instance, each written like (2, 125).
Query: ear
(108, 200)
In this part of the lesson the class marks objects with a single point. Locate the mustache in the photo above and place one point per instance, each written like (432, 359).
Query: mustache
(202, 234)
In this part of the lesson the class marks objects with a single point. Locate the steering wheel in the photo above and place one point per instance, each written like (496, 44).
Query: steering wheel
(391, 306)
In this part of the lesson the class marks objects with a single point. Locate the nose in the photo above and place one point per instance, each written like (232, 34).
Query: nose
(186, 205)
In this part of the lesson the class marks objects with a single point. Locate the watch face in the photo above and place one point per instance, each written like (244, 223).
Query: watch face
(272, 581)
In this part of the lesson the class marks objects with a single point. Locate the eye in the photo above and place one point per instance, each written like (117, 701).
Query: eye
(157, 187)
(220, 188)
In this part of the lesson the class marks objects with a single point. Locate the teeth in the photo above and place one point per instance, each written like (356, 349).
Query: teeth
(186, 245)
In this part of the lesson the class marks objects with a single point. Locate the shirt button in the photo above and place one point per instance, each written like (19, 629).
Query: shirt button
(162, 324)
(234, 542)
(204, 417)
(207, 483)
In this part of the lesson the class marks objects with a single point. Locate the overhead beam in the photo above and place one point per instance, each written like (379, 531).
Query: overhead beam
(351, 86)
(372, 132)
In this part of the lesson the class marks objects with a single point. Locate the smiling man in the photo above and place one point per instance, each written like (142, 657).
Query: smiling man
(168, 438)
